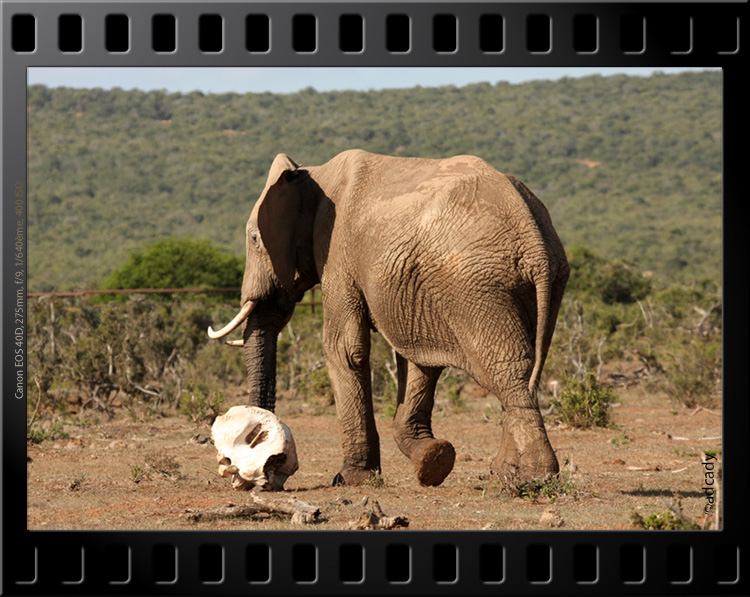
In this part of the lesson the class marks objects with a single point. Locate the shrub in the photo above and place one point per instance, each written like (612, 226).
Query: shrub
(383, 367)
(613, 281)
(622, 440)
(388, 401)
(163, 465)
(36, 435)
(693, 372)
(585, 403)
(550, 487)
(317, 386)
(139, 473)
(300, 355)
(139, 351)
(620, 284)
(200, 403)
(77, 482)
(177, 263)
(452, 394)
(662, 521)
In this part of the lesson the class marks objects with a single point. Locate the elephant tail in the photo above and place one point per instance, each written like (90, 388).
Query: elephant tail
(542, 284)
(548, 270)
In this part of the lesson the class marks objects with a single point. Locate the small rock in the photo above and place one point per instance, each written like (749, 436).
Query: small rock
(75, 442)
(619, 461)
(304, 518)
(551, 518)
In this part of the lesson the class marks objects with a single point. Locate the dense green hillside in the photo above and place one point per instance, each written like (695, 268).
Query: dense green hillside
(628, 166)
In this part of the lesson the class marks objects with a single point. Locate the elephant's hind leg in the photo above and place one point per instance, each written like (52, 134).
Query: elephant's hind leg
(525, 452)
(502, 359)
(432, 458)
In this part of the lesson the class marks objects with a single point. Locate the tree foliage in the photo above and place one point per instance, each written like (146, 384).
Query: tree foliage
(178, 263)
(612, 281)
(629, 166)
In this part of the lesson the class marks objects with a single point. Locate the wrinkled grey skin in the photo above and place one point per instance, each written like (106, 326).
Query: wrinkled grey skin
(454, 263)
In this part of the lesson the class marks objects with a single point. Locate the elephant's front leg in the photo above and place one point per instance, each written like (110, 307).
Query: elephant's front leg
(432, 458)
(346, 342)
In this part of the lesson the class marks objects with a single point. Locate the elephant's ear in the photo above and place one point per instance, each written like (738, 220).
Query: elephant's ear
(279, 213)
(282, 163)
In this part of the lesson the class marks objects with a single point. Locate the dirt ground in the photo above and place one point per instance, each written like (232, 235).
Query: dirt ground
(151, 475)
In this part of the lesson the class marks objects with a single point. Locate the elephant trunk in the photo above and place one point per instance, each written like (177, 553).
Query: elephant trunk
(260, 335)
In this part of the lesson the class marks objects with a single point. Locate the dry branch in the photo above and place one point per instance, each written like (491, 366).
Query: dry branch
(704, 409)
(38, 402)
(300, 512)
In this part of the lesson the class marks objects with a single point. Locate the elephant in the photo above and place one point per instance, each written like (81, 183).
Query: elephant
(453, 262)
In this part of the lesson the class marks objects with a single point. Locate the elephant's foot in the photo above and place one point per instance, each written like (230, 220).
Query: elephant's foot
(356, 476)
(433, 461)
(525, 452)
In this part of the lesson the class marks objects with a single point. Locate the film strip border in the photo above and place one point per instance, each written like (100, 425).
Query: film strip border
(370, 34)
(365, 34)
(396, 563)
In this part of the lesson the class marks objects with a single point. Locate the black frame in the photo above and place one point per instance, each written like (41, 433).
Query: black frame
(31, 559)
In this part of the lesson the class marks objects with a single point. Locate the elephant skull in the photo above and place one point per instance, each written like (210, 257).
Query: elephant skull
(255, 447)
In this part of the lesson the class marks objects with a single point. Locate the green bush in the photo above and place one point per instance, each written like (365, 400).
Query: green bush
(612, 281)
(143, 349)
(177, 263)
(452, 392)
(550, 487)
(585, 403)
(317, 386)
(300, 366)
(201, 403)
(37, 434)
(662, 521)
(693, 372)
(387, 401)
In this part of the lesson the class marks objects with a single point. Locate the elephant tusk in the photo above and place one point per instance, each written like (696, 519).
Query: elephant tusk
(235, 323)
(241, 343)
